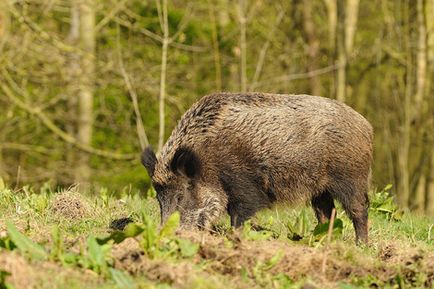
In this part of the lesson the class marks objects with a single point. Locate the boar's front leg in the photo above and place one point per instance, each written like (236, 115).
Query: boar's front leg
(245, 194)
(240, 212)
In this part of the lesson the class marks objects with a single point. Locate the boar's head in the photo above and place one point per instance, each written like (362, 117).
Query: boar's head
(180, 185)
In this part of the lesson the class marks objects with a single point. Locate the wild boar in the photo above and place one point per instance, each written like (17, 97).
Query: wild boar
(241, 152)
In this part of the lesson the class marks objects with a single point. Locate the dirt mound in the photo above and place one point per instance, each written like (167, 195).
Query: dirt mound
(21, 274)
(233, 256)
(411, 261)
(71, 205)
(128, 256)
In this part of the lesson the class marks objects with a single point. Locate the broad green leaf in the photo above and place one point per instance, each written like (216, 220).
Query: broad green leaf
(387, 187)
(187, 247)
(122, 280)
(3, 283)
(97, 254)
(2, 184)
(321, 229)
(149, 235)
(170, 226)
(26, 245)
(57, 248)
(7, 243)
(130, 231)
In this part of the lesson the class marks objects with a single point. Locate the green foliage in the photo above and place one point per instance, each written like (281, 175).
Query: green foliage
(97, 258)
(163, 247)
(25, 245)
(170, 226)
(321, 230)
(299, 228)
(187, 248)
(130, 231)
(259, 271)
(122, 280)
(256, 235)
(3, 283)
(57, 250)
(383, 202)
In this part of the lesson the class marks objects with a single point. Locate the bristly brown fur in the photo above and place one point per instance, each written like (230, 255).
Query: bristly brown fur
(256, 149)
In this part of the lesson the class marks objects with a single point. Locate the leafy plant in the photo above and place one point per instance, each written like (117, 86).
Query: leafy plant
(3, 283)
(57, 250)
(122, 280)
(153, 241)
(383, 202)
(97, 256)
(187, 248)
(300, 228)
(130, 231)
(25, 245)
(321, 230)
(256, 235)
(259, 271)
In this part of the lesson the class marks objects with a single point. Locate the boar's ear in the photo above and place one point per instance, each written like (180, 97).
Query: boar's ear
(149, 159)
(186, 162)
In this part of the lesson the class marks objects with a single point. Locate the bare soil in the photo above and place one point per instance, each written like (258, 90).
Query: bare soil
(295, 261)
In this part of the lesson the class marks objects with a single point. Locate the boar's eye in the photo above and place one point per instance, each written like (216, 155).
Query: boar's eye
(179, 198)
(158, 187)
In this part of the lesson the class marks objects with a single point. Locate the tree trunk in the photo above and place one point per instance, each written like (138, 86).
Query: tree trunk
(165, 27)
(313, 46)
(404, 147)
(332, 21)
(215, 45)
(341, 53)
(243, 46)
(72, 88)
(4, 26)
(429, 192)
(332, 14)
(351, 15)
(421, 58)
(417, 195)
(86, 88)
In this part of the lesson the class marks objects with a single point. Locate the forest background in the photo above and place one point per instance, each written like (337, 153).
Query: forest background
(85, 85)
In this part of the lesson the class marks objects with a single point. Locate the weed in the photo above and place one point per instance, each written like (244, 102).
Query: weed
(277, 249)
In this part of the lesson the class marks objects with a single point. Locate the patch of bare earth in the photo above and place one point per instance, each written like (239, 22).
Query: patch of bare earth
(411, 261)
(296, 261)
(43, 274)
(21, 273)
(128, 256)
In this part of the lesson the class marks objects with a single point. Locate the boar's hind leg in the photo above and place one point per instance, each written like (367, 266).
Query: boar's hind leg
(323, 206)
(354, 199)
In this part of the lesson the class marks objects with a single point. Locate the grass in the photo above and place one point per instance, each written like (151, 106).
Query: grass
(62, 240)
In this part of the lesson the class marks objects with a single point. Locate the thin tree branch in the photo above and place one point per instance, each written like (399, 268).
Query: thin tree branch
(138, 28)
(243, 45)
(264, 49)
(26, 147)
(41, 33)
(119, 6)
(158, 38)
(295, 76)
(215, 44)
(182, 24)
(141, 133)
(59, 132)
